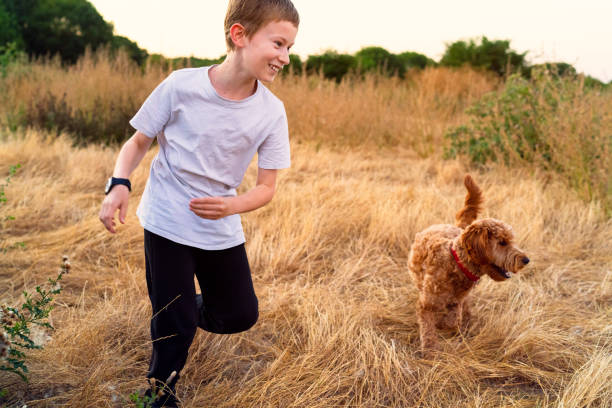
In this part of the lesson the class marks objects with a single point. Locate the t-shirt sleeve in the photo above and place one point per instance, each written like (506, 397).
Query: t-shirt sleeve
(155, 112)
(274, 152)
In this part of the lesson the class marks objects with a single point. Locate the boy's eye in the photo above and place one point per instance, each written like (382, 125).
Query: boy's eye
(278, 43)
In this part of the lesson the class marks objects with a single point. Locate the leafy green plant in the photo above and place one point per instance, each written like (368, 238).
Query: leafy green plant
(494, 56)
(142, 401)
(551, 122)
(415, 60)
(377, 58)
(331, 64)
(16, 325)
(294, 67)
(9, 30)
(506, 125)
(157, 390)
(136, 54)
(64, 27)
(10, 54)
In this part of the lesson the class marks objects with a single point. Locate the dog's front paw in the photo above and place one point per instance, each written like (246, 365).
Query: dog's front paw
(429, 348)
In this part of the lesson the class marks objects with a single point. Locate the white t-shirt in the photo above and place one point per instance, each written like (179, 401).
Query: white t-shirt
(206, 143)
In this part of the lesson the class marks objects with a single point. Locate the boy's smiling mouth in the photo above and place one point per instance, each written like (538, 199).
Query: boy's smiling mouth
(275, 68)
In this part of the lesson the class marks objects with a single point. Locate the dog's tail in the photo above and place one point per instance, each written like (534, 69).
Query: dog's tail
(473, 200)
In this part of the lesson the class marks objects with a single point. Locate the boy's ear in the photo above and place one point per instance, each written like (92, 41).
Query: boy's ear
(238, 34)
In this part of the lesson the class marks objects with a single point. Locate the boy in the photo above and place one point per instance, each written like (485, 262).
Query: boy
(209, 123)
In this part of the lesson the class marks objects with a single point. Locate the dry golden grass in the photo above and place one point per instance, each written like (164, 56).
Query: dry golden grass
(337, 319)
(376, 112)
(94, 76)
(379, 111)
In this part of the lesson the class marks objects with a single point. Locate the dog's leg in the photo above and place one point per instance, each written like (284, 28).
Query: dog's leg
(465, 314)
(426, 317)
(450, 320)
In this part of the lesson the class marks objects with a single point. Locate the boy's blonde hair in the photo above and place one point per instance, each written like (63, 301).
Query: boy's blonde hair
(254, 14)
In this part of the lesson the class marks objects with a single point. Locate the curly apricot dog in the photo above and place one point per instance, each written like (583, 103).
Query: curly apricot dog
(447, 261)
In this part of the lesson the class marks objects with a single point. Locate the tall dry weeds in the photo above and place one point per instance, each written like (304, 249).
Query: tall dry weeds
(375, 112)
(337, 324)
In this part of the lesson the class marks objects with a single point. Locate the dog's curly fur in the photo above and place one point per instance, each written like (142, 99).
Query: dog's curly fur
(483, 247)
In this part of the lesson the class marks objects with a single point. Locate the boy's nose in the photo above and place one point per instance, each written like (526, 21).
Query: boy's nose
(284, 57)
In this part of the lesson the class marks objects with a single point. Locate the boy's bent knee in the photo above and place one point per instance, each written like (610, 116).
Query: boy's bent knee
(243, 319)
(242, 323)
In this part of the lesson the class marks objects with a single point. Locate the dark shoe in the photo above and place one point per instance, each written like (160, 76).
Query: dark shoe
(164, 400)
(164, 396)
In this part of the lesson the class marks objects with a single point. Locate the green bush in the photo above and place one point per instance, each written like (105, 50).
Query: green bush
(136, 54)
(295, 65)
(504, 125)
(16, 324)
(494, 56)
(551, 122)
(331, 65)
(378, 59)
(415, 60)
(10, 55)
(559, 69)
(9, 30)
(64, 27)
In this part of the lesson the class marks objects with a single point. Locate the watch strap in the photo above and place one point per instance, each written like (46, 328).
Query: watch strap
(113, 181)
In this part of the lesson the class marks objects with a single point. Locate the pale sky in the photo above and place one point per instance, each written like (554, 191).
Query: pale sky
(577, 32)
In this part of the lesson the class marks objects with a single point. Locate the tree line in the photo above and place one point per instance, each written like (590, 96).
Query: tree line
(68, 27)
(59, 27)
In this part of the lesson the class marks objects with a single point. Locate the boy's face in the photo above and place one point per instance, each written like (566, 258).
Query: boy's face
(267, 50)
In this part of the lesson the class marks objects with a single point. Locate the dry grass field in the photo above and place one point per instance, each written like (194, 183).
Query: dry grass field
(337, 321)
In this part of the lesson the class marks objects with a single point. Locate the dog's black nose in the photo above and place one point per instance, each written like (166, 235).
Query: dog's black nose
(525, 260)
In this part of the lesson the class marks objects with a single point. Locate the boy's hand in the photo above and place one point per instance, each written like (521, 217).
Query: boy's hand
(117, 199)
(212, 208)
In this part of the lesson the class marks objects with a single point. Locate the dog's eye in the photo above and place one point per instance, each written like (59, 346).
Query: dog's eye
(503, 243)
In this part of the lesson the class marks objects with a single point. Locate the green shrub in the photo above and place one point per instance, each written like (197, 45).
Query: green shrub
(505, 125)
(331, 65)
(551, 122)
(415, 60)
(64, 27)
(494, 56)
(295, 65)
(136, 54)
(378, 59)
(9, 29)
(10, 55)
(559, 69)
(16, 324)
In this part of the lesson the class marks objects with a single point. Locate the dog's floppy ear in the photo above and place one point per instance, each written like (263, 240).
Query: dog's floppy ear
(475, 238)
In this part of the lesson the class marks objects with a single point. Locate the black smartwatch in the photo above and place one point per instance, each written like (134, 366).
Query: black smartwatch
(113, 181)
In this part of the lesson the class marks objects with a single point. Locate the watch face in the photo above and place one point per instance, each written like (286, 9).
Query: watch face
(108, 186)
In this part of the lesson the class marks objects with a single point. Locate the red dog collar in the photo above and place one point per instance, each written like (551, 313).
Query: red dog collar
(465, 271)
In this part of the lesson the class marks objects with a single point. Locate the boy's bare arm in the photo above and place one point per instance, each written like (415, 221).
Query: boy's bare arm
(218, 207)
(130, 156)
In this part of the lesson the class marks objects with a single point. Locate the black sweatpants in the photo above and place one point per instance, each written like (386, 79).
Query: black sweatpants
(229, 301)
